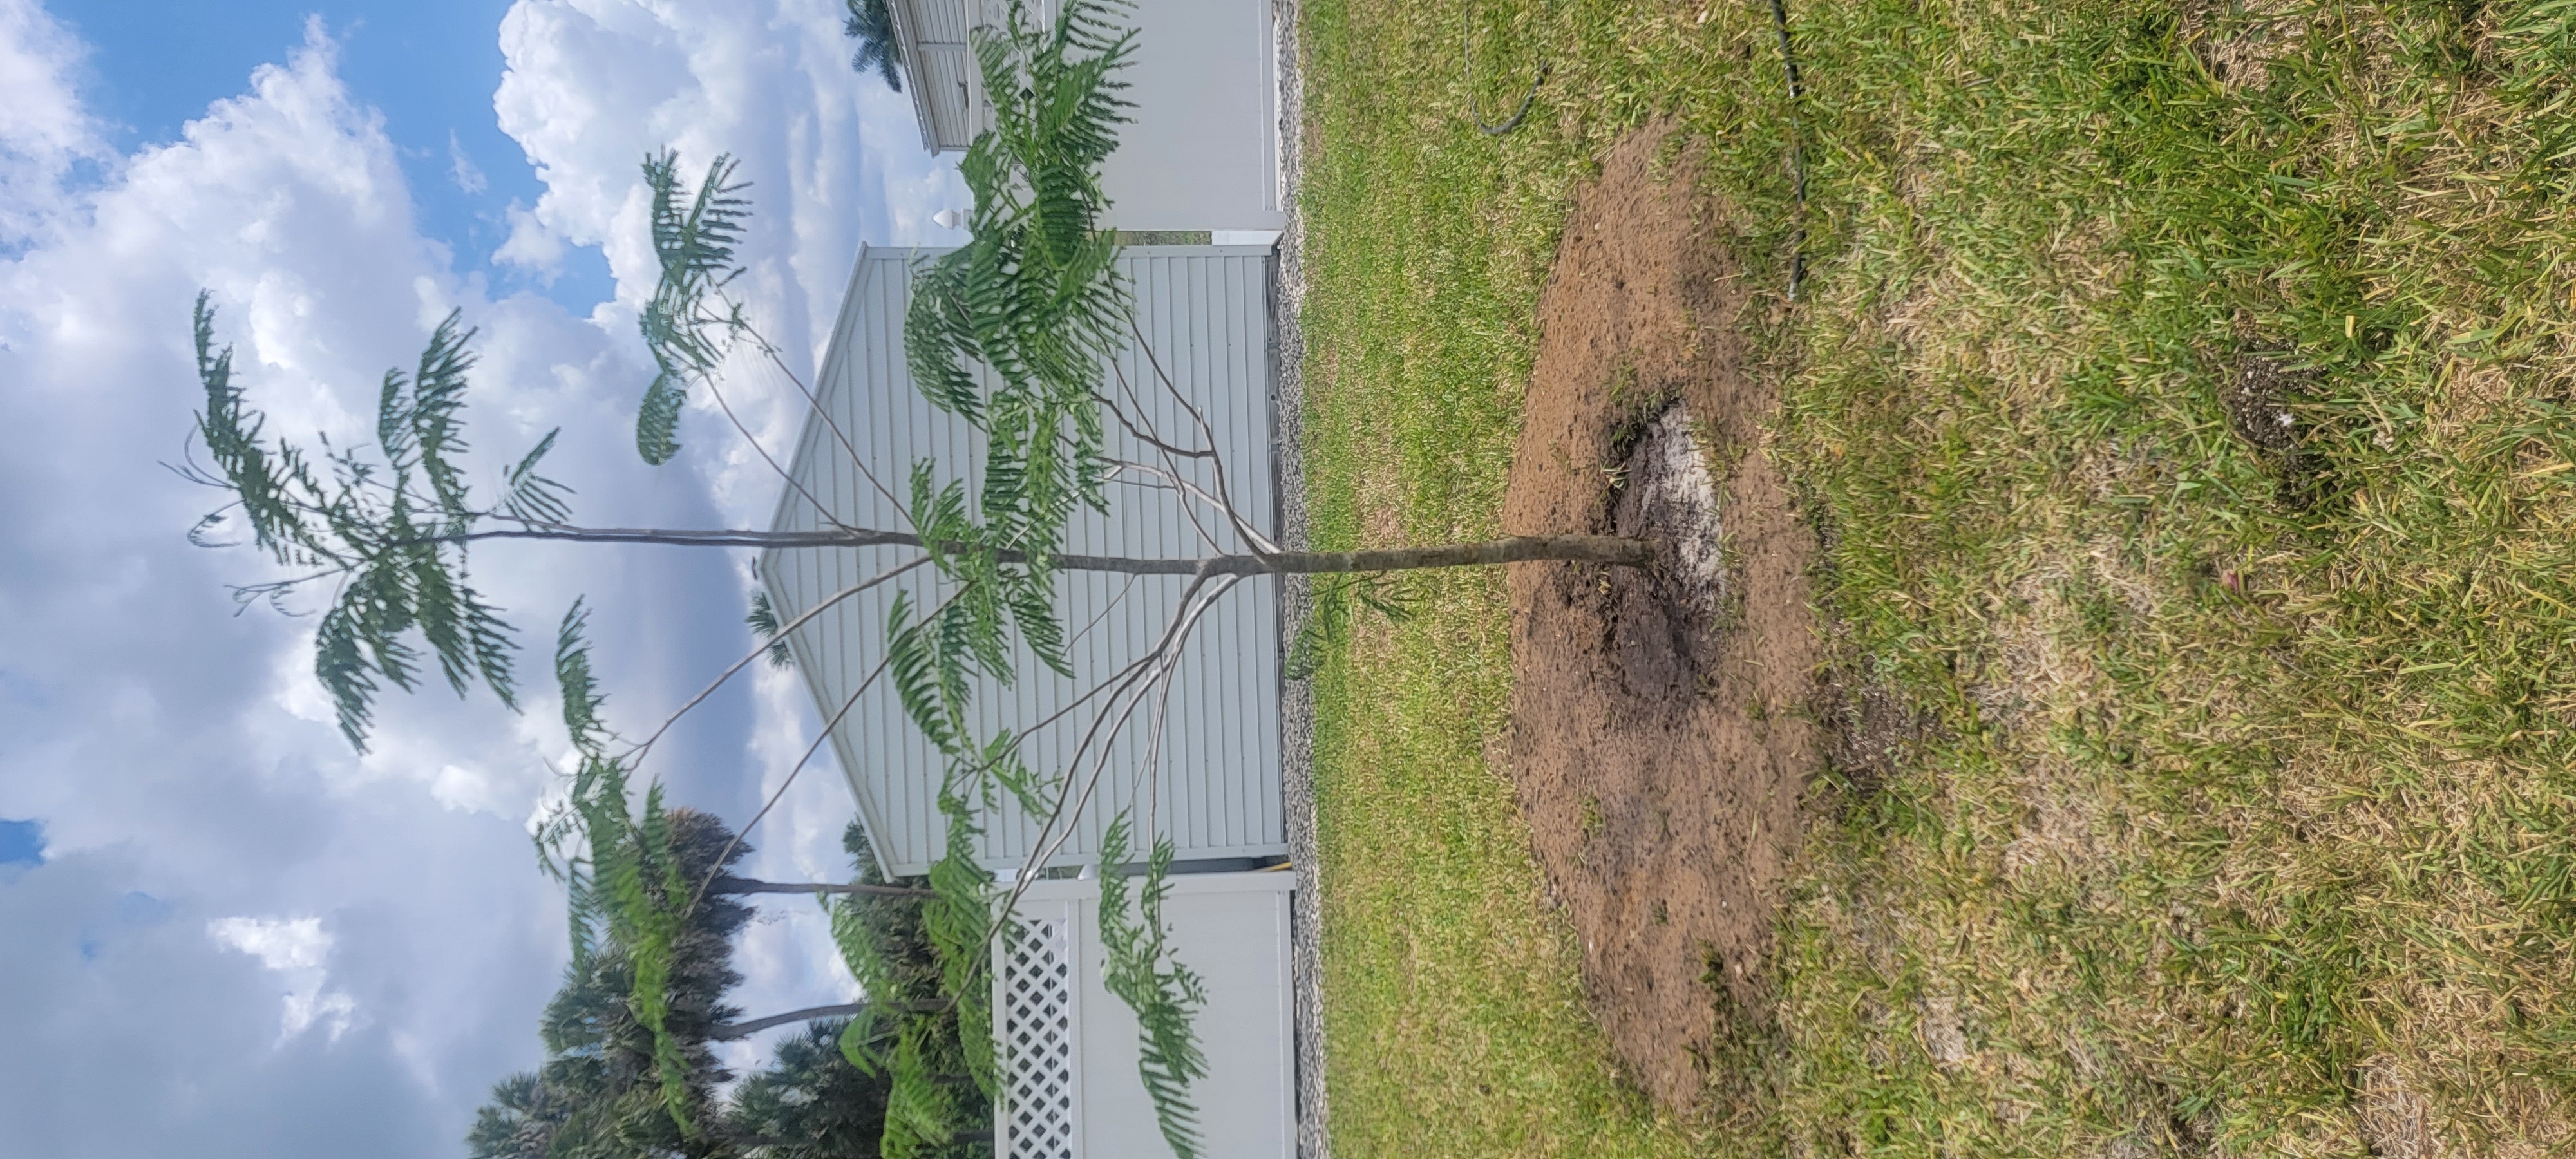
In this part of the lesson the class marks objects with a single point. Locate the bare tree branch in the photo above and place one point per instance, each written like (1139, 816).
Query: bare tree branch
(820, 508)
(1154, 665)
(736, 886)
(1157, 477)
(1207, 431)
(819, 737)
(731, 1031)
(763, 648)
(1150, 434)
(815, 405)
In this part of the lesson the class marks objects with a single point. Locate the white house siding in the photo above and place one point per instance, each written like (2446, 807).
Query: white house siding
(1205, 310)
(1201, 152)
(943, 77)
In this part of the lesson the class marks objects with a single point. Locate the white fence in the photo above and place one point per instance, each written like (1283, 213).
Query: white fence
(1068, 1049)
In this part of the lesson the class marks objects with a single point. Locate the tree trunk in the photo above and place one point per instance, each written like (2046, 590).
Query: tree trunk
(745, 1029)
(743, 885)
(1601, 549)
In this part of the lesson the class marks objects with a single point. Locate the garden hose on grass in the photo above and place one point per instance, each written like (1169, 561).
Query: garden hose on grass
(1467, 66)
(1788, 64)
(1797, 160)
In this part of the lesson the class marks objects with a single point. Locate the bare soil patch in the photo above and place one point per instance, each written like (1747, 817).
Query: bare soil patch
(1663, 723)
(2260, 398)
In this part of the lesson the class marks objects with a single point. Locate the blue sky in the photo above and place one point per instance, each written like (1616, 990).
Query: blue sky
(224, 933)
(21, 842)
(429, 68)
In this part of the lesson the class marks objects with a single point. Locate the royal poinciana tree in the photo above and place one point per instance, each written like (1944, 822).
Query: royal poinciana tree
(1014, 333)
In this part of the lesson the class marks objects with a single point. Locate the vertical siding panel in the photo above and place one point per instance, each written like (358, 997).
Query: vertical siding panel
(1189, 798)
(883, 762)
(1227, 739)
(1207, 775)
(923, 438)
(1241, 388)
(1260, 668)
(900, 763)
(1245, 402)
(1210, 783)
(1147, 535)
(1216, 790)
(1176, 784)
(1252, 405)
(1189, 778)
(850, 406)
(1155, 292)
(1225, 800)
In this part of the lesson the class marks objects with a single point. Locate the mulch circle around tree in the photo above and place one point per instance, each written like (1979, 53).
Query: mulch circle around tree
(1664, 722)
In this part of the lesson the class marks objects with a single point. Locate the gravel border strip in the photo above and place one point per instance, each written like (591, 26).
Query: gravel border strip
(1297, 702)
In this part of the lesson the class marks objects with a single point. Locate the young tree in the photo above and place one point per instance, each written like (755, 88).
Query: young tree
(1033, 298)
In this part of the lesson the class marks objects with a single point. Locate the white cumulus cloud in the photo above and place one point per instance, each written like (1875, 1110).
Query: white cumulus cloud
(297, 948)
(286, 944)
(44, 131)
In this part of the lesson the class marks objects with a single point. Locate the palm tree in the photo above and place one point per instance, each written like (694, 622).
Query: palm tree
(871, 23)
(811, 1103)
(915, 1034)
(599, 1094)
(602, 1090)
(521, 1122)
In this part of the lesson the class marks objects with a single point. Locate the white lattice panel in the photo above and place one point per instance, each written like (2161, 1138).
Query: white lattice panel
(1041, 1096)
(1069, 1049)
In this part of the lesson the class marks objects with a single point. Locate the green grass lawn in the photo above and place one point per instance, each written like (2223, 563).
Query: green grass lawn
(2243, 817)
